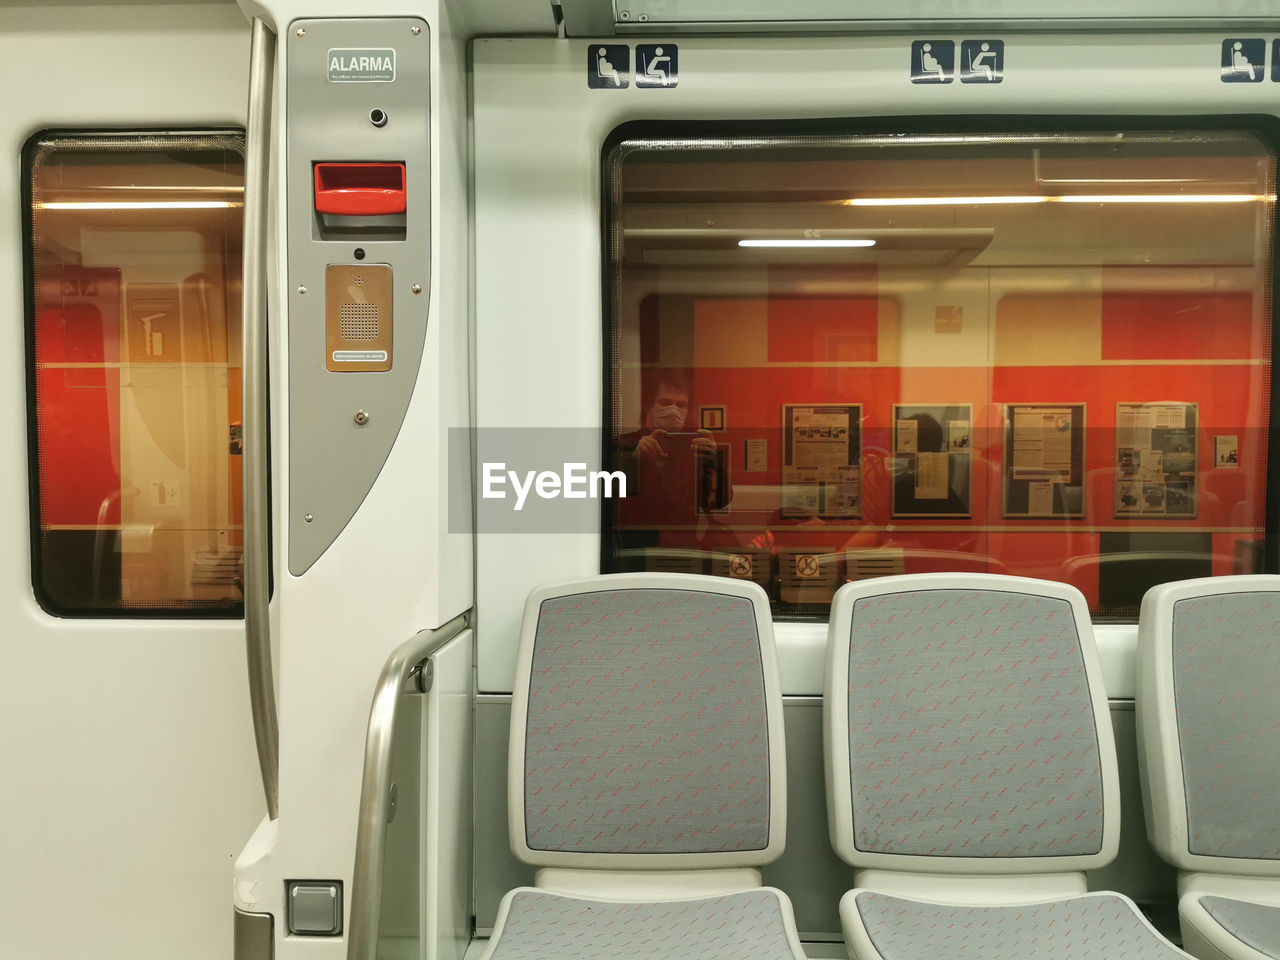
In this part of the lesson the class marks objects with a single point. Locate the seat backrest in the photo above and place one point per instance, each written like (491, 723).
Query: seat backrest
(966, 727)
(646, 725)
(1209, 722)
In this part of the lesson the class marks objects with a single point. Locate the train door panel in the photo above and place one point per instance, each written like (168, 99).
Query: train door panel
(368, 288)
(130, 774)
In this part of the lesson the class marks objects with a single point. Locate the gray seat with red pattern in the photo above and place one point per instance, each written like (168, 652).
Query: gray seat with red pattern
(971, 773)
(646, 774)
(1209, 733)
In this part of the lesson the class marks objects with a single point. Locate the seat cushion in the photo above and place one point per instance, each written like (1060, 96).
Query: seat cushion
(1089, 927)
(1224, 670)
(1254, 924)
(752, 925)
(627, 682)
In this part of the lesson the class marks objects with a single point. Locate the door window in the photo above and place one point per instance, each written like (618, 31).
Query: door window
(134, 264)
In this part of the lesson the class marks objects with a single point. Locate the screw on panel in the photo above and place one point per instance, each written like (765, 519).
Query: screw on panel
(643, 18)
(416, 288)
(302, 289)
(361, 417)
(300, 32)
(308, 518)
(415, 30)
(624, 14)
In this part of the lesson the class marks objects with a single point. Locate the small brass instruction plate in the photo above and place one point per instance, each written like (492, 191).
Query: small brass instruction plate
(357, 317)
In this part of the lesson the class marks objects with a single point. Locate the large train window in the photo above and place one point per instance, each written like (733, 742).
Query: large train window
(133, 300)
(840, 357)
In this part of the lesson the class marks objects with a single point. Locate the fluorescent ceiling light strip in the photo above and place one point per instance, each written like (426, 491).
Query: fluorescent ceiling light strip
(1076, 198)
(1164, 198)
(185, 188)
(1133, 180)
(806, 243)
(941, 201)
(141, 205)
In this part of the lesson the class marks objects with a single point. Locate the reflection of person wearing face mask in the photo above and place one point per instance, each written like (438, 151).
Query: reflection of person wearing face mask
(656, 458)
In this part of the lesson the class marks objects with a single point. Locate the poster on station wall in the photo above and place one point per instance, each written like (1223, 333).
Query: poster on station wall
(1156, 459)
(822, 460)
(932, 463)
(1044, 460)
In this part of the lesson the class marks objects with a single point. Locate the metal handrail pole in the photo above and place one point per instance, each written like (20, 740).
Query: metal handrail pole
(375, 786)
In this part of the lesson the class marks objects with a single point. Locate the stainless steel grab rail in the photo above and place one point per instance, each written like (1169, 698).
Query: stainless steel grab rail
(405, 664)
(257, 557)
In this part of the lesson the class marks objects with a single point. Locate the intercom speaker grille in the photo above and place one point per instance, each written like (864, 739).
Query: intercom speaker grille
(358, 321)
(359, 317)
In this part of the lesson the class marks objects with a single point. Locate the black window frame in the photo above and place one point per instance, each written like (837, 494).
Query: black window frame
(232, 610)
(1265, 127)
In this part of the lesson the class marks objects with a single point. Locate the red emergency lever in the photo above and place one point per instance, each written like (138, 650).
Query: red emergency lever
(360, 189)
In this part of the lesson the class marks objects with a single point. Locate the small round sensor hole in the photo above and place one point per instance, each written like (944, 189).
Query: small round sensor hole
(359, 254)
(378, 117)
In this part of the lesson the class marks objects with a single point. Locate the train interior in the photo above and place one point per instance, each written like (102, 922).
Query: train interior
(639, 478)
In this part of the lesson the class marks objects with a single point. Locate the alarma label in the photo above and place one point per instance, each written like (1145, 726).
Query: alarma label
(362, 65)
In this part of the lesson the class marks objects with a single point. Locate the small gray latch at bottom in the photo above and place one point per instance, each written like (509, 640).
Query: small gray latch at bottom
(314, 907)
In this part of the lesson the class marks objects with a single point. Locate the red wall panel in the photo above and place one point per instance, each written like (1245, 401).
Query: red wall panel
(77, 338)
(810, 330)
(78, 429)
(1165, 326)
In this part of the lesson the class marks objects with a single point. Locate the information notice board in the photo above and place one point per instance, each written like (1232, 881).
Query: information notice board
(821, 460)
(932, 464)
(1044, 460)
(1156, 459)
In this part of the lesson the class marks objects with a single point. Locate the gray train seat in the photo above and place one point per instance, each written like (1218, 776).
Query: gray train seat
(971, 773)
(1209, 739)
(646, 773)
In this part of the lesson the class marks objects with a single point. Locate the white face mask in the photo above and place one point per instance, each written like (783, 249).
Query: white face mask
(668, 417)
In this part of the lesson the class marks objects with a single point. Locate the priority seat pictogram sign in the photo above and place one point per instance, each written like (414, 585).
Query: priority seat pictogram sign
(1243, 60)
(608, 66)
(933, 61)
(981, 61)
(657, 65)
